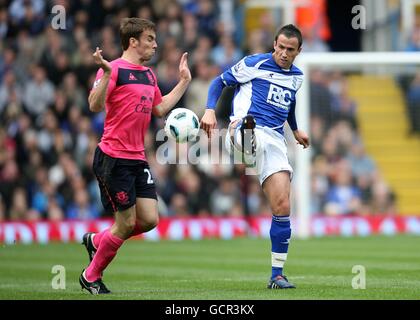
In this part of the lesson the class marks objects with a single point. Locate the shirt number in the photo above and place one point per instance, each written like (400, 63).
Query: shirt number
(149, 176)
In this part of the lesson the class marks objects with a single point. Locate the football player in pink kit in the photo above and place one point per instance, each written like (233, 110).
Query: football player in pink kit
(129, 92)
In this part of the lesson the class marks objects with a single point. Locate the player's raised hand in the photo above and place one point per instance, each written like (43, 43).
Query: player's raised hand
(301, 138)
(184, 71)
(99, 60)
(208, 121)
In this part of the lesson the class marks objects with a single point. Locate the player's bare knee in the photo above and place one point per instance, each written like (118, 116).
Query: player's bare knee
(281, 207)
(129, 225)
(125, 227)
(149, 223)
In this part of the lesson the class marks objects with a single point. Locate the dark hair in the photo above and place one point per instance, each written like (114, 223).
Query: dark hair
(290, 31)
(133, 28)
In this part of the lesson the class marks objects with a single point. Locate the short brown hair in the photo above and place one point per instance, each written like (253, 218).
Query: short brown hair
(290, 31)
(133, 28)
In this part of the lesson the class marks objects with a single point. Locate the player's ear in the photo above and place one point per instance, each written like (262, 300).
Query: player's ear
(133, 42)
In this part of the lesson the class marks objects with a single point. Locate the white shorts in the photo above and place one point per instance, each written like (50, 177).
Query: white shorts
(271, 152)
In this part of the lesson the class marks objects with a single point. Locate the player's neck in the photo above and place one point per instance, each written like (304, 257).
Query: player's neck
(132, 58)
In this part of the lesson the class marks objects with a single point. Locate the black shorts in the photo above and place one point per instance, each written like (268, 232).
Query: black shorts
(121, 181)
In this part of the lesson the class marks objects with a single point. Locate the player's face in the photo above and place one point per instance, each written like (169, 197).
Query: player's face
(285, 50)
(146, 45)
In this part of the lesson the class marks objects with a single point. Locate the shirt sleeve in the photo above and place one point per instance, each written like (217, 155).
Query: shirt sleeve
(239, 73)
(291, 118)
(214, 92)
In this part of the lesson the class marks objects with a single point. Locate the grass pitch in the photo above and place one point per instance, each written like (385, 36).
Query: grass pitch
(237, 269)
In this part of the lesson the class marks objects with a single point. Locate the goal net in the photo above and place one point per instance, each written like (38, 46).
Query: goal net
(361, 111)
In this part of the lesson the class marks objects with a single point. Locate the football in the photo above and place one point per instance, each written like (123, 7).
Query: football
(182, 125)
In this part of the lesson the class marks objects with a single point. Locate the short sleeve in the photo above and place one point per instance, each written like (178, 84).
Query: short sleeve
(241, 72)
(299, 81)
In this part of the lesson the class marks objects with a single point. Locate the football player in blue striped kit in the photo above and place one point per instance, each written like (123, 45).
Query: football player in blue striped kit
(265, 98)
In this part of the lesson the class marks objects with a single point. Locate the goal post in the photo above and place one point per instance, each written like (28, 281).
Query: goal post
(343, 60)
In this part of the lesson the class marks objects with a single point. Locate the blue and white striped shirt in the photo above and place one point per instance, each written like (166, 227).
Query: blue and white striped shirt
(263, 89)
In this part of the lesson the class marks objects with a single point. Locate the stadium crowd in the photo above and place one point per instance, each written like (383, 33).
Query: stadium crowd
(48, 135)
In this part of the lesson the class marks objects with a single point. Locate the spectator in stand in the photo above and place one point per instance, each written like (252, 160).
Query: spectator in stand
(81, 208)
(8, 63)
(11, 95)
(47, 200)
(4, 25)
(225, 54)
(207, 19)
(27, 14)
(319, 183)
(202, 49)
(345, 135)
(320, 96)
(9, 180)
(255, 42)
(383, 199)
(312, 42)
(178, 206)
(195, 190)
(19, 208)
(190, 31)
(73, 92)
(173, 14)
(38, 92)
(224, 198)
(414, 41)
(254, 197)
(317, 134)
(343, 107)
(196, 96)
(364, 183)
(343, 197)
(361, 164)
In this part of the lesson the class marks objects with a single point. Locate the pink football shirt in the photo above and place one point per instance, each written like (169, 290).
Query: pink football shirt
(131, 95)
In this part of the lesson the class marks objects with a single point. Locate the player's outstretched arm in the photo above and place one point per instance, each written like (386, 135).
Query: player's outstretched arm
(169, 100)
(208, 121)
(97, 96)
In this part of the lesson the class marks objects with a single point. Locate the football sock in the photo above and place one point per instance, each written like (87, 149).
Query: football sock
(98, 236)
(280, 233)
(106, 252)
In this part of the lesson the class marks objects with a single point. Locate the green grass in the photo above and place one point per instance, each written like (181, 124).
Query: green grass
(235, 269)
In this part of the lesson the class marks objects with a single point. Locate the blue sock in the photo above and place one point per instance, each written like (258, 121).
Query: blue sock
(280, 233)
